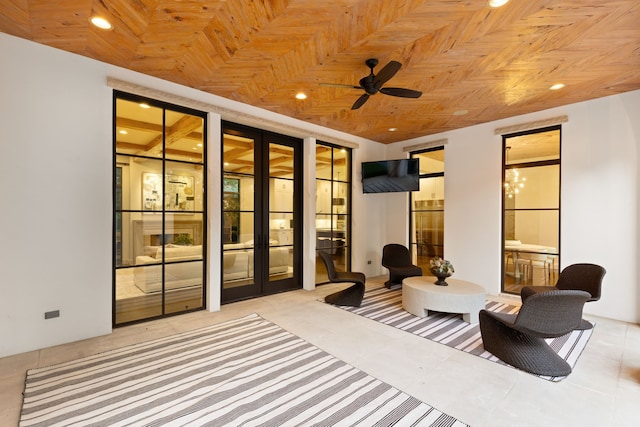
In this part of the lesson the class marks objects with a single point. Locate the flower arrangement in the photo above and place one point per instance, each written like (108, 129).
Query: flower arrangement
(439, 265)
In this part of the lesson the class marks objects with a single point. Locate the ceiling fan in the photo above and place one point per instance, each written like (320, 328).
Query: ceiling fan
(372, 83)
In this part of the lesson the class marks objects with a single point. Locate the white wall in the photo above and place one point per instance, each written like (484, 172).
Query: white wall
(56, 174)
(56, 170)
(599, 197)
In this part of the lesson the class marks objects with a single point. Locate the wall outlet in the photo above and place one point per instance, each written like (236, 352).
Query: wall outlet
(369, 262)
(52, 314)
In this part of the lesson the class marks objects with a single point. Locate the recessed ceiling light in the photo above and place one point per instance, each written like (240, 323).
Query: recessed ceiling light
(199, 145)
(301, 95)
(144, 105)
(393, 129)
(101, 23)
(460, 112)
(497, 3)
(123, 132)
(557, 86)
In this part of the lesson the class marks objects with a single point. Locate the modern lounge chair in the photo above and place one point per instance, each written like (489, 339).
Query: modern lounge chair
(584, 277)
(519, 339)
(352, 296)
(397, 259)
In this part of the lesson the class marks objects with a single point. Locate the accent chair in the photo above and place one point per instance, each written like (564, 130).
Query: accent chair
(519, 339)
(352, 296)
(583, 276)
(397, 259)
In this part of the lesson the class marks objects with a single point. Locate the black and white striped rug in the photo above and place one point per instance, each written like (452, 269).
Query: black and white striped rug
(245, 372)
(385, 306)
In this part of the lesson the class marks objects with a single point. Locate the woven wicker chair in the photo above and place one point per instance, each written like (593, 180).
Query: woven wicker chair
(519, 339)
(583, 277)
(397, 259)
(352, 296)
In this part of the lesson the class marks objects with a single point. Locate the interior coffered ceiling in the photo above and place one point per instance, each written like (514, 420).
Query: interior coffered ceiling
(463, 55)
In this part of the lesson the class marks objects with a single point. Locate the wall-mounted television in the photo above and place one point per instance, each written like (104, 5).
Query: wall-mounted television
(389, 176)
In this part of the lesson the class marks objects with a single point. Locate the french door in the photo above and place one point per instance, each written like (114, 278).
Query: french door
(261, 212)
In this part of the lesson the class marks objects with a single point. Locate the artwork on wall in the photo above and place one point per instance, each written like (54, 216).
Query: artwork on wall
(178, 194)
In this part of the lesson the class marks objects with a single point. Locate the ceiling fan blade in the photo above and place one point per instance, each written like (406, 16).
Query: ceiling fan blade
(360, 101)
(402, 93)
(340, 85)
(386, 73)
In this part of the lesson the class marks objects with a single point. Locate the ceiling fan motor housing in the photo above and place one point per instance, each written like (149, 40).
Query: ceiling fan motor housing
(368, 84)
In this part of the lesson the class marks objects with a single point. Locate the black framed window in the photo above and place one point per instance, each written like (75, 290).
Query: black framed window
(531, 208)
(159, 217)
(333, 207)
(426, 208)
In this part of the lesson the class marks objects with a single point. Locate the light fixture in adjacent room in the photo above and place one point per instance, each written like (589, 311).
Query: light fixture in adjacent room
(393, 129)
(557, 86)
(144, 105)
(301, 95)
(513, 182)
(101, 23)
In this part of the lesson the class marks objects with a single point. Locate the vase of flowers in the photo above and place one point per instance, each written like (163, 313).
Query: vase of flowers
(441, 268)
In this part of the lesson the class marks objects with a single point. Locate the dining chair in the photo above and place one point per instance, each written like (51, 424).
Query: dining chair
(526, 262)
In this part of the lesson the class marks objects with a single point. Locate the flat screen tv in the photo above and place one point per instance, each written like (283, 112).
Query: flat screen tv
(389, 176)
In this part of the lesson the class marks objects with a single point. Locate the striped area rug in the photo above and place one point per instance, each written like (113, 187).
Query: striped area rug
(385, 306)
(245, 372)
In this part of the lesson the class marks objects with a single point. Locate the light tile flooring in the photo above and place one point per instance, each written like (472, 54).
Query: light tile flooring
(603, 390)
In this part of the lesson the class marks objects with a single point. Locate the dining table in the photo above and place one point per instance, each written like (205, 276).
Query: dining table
(517, 248)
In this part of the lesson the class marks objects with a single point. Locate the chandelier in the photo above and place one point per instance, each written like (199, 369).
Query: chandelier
(512, 180)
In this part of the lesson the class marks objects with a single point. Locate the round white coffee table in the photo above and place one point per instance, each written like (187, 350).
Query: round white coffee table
(419, 295)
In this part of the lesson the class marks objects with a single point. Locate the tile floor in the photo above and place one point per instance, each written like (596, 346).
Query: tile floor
(603, 390)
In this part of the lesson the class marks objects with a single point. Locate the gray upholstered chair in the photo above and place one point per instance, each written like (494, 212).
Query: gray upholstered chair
(519, 339)
(352, 296)
(397, 259)
(583, 276)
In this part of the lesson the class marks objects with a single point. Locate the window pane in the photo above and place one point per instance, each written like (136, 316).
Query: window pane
(238, 155)
(184, 137)
(340, 165)
(431, 162)
(323, 196)
(536, 227)
(281, 195)
(540, 188)
(323, 161)
(138, 128)
(533, 147)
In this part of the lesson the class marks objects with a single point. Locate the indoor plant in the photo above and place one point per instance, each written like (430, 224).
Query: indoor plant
(441, 268)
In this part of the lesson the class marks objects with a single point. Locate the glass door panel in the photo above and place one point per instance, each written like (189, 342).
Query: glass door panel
(260, 208)
(238, 216)
(281, 203)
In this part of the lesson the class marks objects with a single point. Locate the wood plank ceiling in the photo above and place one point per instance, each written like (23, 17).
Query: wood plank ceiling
(463, 55)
